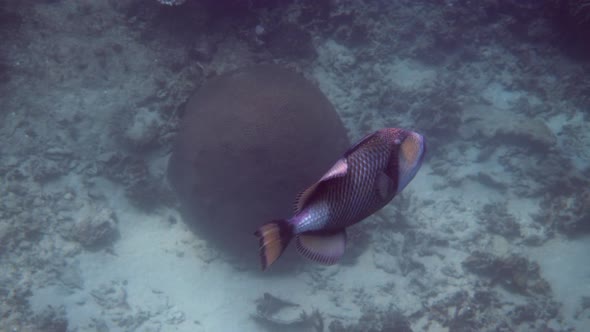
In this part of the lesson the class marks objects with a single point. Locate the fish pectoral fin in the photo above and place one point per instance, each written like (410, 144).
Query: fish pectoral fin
(385, 186)
(324, 248)
(339, 169)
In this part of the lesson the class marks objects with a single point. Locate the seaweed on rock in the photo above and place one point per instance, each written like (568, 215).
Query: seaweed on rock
(96, 231)
(275, 314)
(391, 320)
(515, 273)
(568, 213)
(497, 220)
(142, 188)
(52, 319)
(484, 311)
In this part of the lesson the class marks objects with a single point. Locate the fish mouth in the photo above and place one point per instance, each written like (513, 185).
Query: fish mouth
(420, 141)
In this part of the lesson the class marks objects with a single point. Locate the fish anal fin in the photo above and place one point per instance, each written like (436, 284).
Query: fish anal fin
(324, 248)
(339, 169)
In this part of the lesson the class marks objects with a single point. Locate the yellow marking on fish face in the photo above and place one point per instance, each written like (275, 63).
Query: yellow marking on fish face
(410, 156)
(410, 149)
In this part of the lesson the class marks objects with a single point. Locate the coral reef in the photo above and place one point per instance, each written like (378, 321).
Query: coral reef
(144, 189)
(52, 319)
(484, 311)
(112, 298)
(249, 141)
(515, 273)
(462, 312)
(496, 129)
(95, 231)
(584, 307)
(33, 251)
(143, 129)
(271, 315)
(499, 221)
(391, 320)
(567, 213)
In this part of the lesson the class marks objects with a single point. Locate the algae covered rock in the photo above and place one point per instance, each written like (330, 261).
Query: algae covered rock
(97, 230)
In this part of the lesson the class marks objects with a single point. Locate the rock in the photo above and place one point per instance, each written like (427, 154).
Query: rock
(203, 49)
(530, 312)
(386, 262)
(499, 221)
(44, 170)
(143, 129)
(484, 122)
(58, 153)
(268, 304)
(373, 320)
(141, 187)
(111, 296)
(569, 213)
(175, 316)
(513, 272)
(52, 319)
(584, 307)
(276, 314)
(96, 231)
(461, 311)
(71, 276)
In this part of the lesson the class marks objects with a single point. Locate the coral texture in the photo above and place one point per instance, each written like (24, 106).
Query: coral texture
(251, 140)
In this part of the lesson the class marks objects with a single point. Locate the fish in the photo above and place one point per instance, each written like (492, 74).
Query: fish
(361, 182)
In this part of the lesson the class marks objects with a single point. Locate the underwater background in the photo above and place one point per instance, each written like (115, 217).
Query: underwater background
(493, 234)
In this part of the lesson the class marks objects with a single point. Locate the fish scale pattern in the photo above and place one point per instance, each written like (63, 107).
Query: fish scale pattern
(354, 197)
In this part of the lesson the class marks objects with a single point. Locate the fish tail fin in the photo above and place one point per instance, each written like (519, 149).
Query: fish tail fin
(274, 238)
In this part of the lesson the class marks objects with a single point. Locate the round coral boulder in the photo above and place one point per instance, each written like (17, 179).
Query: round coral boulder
(249, 142)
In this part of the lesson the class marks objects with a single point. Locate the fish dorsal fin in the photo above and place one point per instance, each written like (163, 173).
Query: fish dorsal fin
(360, 143)
(324, 248)
(338, 170)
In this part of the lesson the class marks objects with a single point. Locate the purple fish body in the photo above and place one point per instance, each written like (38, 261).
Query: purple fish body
(365, 179)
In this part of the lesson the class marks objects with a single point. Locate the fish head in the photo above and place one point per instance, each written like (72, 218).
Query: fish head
(409, 148)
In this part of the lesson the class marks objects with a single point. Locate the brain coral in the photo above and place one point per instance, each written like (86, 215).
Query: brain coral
(249, 141)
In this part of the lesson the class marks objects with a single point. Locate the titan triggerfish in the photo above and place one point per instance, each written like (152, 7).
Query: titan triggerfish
(360, 183)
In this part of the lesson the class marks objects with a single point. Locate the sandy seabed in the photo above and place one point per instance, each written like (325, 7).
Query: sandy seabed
(492, 234)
